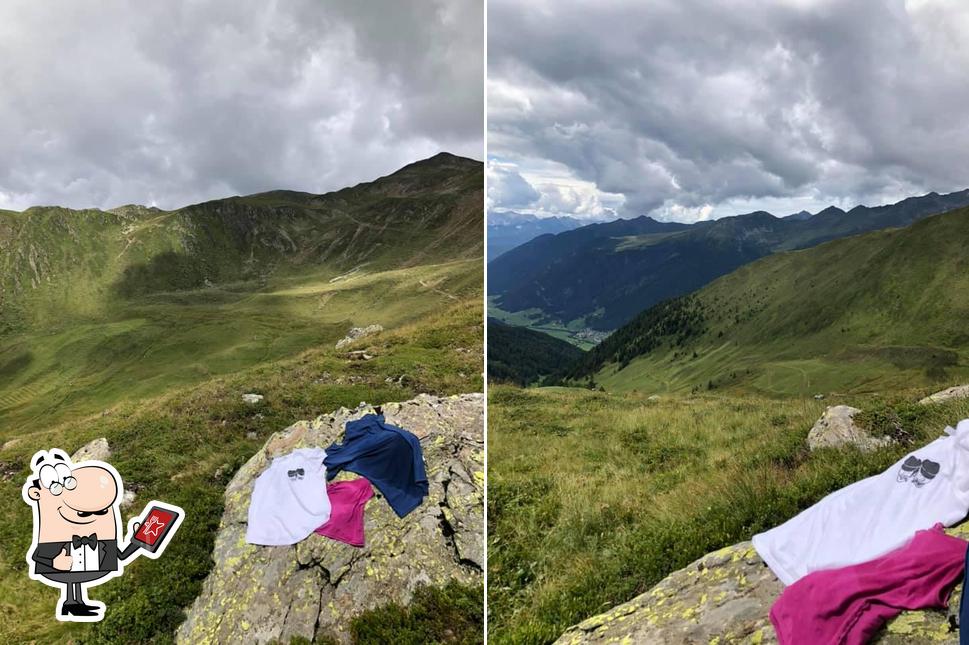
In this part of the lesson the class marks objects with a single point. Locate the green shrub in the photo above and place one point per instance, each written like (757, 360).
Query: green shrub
(897, 420)
(452, 614)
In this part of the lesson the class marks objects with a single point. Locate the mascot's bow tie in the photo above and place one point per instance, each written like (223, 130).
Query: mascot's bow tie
(88, 540)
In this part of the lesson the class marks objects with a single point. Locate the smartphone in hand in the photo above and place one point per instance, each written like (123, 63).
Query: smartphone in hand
(156, 527)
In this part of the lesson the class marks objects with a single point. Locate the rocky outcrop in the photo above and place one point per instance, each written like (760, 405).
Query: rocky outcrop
(356, 333)
(837, 428)
(252, 398)
(949, 394)
(96, 449)
(725, 597)
(313, 589)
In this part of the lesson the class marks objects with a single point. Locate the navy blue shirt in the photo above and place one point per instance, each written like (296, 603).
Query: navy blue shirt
(390, 457)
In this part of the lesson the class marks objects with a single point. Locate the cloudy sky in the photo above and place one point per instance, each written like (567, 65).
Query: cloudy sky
(688, 110)
(170, 103)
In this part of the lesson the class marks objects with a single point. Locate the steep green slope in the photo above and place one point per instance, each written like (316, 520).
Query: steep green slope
(879, 310)
(98, 307)
(186, 445)
(602, 275)
(59, 265)
(522, 356)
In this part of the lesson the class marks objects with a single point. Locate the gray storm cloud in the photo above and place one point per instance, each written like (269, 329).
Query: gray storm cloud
(172, 103)
(688, 108)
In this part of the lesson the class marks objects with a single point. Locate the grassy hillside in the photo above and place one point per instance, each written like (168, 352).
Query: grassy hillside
(522, 356)
(175, 339)
(594, 497)
(873, 312)
(185, 446)
(602, 275)
(147, 326)
(100, 307)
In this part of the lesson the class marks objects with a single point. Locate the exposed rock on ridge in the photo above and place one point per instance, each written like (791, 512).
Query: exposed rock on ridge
(357, 333)
(96, 449)
(313, 589)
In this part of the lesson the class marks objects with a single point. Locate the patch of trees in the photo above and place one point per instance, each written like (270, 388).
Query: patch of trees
(523, 356)
(672, 322)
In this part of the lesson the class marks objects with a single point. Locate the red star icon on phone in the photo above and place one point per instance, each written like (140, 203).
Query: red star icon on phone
(154, 525)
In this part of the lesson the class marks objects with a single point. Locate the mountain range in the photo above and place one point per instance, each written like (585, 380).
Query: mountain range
(601, 275)
(98, 306)
(882, 310)
(508, 229)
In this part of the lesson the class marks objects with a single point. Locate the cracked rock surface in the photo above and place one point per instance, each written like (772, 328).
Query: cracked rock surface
(257, 594)
(725, 597)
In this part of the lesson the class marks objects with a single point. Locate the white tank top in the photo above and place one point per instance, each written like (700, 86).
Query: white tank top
(289, 499)
(876, 515)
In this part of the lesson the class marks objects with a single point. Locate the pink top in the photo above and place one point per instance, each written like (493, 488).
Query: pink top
(347, 501)
(848, 605)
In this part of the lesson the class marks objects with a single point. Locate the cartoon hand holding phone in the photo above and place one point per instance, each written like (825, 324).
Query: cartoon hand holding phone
(77, 519)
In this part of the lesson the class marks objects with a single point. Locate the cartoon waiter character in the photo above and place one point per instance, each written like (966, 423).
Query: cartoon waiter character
(77, 518)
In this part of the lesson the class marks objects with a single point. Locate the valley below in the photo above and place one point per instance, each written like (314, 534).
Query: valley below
(177, 339)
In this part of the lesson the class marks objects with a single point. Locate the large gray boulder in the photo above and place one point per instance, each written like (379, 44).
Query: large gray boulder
(356, 333)
(836, 428)
(948, 394)
(312, 590)
(725, 597)
(96, 449)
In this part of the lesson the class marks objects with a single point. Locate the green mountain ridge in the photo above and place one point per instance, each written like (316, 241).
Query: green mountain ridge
(600, 276)
(879, 310)
(57, 262)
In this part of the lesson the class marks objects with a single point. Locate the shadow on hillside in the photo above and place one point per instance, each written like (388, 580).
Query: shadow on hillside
(11, 367)
(168, 271)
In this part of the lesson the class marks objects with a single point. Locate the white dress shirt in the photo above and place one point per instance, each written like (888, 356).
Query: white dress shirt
(86, 558)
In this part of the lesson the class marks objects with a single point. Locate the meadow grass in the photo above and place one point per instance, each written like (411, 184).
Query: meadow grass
(594, 497)
(146, 347)
(771, 369)
(184, 446)
(451, 614)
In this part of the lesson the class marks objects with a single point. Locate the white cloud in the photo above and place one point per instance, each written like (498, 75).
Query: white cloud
(690, 109)
(507, 188)
(122, 101)
(546, 189)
